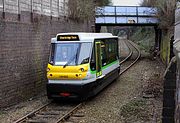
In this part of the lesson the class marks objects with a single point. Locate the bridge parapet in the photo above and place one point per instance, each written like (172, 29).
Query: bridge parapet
(126, 15)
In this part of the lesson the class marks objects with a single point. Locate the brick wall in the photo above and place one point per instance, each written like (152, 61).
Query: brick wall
(24, 49)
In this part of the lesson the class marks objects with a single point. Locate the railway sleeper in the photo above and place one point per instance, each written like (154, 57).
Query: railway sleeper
(49, 113)
(74, 119)
(36, 121)
(58, 109)
(46, 116)
(78, 115)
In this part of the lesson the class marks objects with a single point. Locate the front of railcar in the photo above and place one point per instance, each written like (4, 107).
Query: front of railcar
(68, 71)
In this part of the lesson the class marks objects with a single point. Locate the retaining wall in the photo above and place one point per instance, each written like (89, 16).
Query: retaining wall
(177, 53)
(24, 46)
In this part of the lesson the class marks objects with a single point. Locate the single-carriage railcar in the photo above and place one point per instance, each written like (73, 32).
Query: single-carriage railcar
(81, 64)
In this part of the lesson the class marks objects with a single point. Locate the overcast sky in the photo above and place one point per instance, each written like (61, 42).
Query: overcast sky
(126, 2)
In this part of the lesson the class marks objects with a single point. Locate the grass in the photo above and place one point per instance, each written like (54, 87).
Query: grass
(145, 38)
(135, 110)
(1, 113)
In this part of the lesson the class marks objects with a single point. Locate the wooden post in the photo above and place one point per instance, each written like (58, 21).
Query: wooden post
(19, 11)
(4, 9)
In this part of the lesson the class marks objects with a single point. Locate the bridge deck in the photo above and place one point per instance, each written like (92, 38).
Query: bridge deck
(126, 15)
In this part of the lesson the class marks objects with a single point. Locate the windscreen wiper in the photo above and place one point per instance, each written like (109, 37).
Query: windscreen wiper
(71, 59)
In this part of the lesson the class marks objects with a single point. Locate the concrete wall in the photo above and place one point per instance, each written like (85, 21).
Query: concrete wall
(177, 53)
(165, 48)
(169, 93)
(24, 46)
(45, 7)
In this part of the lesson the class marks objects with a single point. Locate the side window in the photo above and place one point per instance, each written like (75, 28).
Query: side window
(84, 53)
(104, 52)
(112, 50)
(93, 60)
(109, 52)
(117, 48)
(51, 57)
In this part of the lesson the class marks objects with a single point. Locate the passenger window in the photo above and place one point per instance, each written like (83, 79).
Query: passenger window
(92, 63)
(109, 53)
(103, 53)
(112, 50)
(84, 53)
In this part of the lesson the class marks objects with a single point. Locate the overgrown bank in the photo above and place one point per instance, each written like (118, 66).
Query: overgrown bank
(144, 37)
(166, 15)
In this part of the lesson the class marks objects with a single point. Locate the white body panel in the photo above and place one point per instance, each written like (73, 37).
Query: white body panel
(90, 77)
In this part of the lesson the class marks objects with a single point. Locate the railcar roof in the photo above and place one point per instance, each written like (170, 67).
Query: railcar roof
(90, 36)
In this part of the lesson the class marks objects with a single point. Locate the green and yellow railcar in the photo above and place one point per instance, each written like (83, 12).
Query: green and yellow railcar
(81, 64)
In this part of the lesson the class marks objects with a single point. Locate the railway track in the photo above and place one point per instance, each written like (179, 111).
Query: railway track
(128, 56)
(132, 58)
(50, 113)
(57, 113)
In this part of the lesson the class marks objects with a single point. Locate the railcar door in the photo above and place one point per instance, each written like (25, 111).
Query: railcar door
(98, 59)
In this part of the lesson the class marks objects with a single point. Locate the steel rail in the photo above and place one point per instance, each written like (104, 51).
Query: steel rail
(129, 55)
(67, 115)
(139, 55)
(31, 113)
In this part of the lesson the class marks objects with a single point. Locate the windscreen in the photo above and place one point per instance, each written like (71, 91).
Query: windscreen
(70, 54)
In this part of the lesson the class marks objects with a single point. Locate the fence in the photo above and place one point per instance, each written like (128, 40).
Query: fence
(53, 8)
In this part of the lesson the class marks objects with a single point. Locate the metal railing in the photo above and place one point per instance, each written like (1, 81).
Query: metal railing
(126, 10)
(126, 14)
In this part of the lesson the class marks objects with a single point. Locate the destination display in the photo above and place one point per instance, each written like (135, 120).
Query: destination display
(67, 38)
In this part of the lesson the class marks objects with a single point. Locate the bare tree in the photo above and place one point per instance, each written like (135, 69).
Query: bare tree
(165, 11)
(84, 9)
(80, 9)
(148, 3)
(103, 2)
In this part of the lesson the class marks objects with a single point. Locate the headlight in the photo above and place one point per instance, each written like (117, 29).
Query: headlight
(48, 69)
(82, 69)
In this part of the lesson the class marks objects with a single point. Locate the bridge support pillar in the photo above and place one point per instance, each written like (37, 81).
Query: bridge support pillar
(97, 28)
(158, 34)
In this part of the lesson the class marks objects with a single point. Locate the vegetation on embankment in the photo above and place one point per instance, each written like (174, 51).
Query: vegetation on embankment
(144, 37)
(166, 15)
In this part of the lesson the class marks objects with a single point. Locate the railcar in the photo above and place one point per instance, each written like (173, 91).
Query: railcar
(81, 64)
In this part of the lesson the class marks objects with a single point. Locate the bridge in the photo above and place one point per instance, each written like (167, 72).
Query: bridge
(126, 15)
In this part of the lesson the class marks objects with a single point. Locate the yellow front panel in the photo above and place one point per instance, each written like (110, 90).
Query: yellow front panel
(69, 72)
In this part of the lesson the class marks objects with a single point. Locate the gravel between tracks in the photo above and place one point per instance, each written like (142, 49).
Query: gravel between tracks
(123, 102)
(11, 114)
